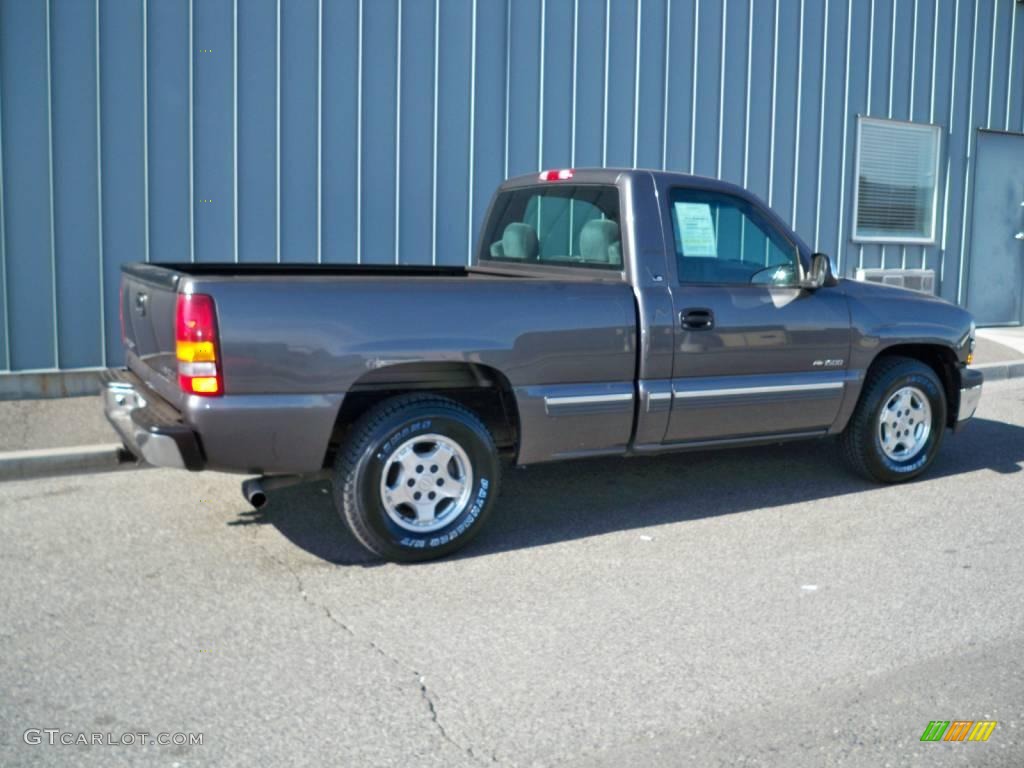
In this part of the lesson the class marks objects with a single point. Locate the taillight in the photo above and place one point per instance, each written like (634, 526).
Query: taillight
(196, 345)
(563, 174)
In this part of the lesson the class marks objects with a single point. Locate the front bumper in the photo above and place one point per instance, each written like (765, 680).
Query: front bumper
(970, 393)
(150, 428)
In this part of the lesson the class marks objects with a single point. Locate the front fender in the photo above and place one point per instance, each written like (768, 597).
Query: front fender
(884, 319)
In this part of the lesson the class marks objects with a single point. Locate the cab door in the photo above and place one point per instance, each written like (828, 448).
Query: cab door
(755, 354)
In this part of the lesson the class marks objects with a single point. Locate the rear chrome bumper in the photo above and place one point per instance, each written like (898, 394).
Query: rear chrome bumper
(970, 393)
(150, 428)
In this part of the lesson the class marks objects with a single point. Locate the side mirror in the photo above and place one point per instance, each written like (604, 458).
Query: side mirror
(820, 274)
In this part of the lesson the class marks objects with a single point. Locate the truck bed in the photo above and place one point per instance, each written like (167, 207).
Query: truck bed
(228, 269)
(295, 339)
(167, 274)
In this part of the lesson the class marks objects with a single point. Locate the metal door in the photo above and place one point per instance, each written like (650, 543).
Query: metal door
(751, 359)
(995, 282)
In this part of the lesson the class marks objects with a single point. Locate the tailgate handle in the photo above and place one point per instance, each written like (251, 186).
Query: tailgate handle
(141, 300)
(697, 319)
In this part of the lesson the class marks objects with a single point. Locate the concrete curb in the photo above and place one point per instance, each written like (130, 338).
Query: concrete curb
(1011, 369)
(52, 462)
(32, 385)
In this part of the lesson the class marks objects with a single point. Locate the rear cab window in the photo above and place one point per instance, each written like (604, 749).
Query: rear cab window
(561, 225)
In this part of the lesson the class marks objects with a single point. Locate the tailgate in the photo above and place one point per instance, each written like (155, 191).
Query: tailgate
(148, 298)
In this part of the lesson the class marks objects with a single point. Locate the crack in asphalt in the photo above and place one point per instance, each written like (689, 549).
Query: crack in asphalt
(421, 680)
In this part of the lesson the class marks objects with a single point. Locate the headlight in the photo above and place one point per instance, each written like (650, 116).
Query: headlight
(971, 340)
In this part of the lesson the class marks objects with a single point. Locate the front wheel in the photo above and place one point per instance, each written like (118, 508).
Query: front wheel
(417, 478)
(899, 422)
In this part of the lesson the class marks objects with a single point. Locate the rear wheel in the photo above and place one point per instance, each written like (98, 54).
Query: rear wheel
(897, 428)
(417, 478)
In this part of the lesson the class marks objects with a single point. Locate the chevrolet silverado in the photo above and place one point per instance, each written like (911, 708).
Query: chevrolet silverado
(604, 311)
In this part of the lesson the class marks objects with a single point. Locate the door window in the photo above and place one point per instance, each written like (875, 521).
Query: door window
(724, 239)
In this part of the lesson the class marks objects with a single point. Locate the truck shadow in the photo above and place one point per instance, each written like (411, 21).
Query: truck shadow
(551, 503)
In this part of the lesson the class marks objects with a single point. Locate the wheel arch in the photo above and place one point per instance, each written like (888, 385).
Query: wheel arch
(483, 389)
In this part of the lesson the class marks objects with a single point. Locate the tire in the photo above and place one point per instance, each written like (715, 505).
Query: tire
(904, 446)
(425, 446)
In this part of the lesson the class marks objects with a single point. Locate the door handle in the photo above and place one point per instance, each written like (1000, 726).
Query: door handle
(1019, 236)
(697, 319)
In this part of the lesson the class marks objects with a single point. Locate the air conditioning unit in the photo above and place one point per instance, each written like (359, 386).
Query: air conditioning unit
(922, 280)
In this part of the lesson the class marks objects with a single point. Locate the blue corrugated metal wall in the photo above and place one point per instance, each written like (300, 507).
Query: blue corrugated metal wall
(341, 131)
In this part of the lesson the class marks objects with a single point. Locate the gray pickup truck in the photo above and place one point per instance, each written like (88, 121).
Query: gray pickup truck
(621, 312)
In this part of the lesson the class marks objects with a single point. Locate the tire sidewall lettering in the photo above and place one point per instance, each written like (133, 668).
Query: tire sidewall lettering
(400, 435)
(466, 519)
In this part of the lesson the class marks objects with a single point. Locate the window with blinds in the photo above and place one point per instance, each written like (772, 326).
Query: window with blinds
(897, 180)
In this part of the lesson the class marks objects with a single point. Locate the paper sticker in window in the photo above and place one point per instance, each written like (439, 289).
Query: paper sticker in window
(696, 230)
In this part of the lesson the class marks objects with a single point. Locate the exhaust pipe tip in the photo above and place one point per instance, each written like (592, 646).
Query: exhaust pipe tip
(255, 488)
(252, 490)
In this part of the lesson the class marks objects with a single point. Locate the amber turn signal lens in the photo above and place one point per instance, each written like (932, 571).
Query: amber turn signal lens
(196, 352)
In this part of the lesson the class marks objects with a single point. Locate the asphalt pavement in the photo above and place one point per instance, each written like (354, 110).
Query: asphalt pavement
(740, 608)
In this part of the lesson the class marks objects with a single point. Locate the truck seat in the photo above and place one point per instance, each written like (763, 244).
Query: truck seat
(519, 241)
(599, 242)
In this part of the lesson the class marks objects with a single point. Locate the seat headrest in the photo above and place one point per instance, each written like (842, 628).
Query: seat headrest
(597, 239)
(519, 241)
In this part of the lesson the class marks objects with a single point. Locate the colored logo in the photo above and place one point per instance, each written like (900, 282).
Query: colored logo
(958, 730)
